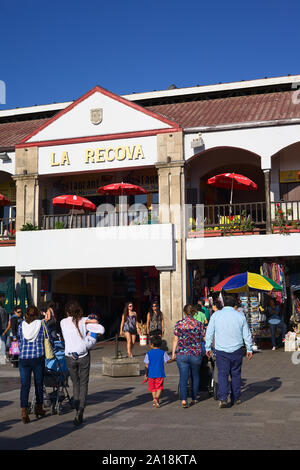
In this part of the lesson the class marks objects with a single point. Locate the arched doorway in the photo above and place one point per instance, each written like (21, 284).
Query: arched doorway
(285, 182)
(7, 212)
(214, 161)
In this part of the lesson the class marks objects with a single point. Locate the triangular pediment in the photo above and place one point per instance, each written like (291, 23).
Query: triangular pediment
(99, 112)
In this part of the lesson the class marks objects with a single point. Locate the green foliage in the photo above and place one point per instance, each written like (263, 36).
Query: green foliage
(59, 225)
(29, 227)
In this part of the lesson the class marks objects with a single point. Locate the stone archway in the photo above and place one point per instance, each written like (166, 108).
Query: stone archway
(221, 160)
(285, 183)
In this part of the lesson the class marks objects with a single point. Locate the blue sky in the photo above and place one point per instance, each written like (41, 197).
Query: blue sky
(56, 51)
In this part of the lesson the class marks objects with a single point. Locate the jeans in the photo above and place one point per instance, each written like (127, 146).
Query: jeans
(282, 327)
(79, 370)
(186, 365)
(229, 364)
(26, 367)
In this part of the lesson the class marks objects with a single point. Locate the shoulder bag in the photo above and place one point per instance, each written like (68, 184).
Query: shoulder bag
(47, 344)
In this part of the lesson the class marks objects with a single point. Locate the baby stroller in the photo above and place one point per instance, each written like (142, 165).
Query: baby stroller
(56, 377)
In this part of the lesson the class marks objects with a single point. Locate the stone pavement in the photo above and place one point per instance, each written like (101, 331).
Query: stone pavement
(120, 415)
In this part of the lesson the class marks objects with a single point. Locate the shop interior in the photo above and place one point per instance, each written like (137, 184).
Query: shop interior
(103, 292)
(205, 274)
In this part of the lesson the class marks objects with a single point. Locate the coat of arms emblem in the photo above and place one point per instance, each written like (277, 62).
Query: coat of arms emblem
(96, 115)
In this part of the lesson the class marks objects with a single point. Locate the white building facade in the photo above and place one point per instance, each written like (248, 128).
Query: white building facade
(170, 143)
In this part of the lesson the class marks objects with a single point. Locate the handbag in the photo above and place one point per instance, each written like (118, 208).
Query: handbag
(47, 344)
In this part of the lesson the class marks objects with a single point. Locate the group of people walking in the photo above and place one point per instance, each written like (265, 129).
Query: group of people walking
(225, 332)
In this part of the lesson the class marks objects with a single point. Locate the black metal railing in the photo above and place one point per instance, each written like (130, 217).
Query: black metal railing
(98, 219)
(243, 217)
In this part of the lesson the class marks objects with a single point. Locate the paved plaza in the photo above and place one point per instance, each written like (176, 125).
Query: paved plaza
(120, 415)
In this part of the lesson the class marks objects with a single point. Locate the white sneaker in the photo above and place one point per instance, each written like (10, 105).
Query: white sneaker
(273, 349)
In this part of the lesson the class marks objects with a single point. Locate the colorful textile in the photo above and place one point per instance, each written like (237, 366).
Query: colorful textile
(190, 333)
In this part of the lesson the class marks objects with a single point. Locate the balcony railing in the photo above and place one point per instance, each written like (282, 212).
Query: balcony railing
(243, 218)
(99, 219)
(7, 231)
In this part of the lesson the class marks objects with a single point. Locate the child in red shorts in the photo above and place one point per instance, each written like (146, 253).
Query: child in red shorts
(154, 369)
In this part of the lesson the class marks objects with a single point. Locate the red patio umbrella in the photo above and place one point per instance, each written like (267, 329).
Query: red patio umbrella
(121, 189)
(232, 181)
(74, 202)
(4, 201)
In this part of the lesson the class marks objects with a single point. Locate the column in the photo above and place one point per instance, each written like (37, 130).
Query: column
(268, 201)
(27, 206)
(171, 181)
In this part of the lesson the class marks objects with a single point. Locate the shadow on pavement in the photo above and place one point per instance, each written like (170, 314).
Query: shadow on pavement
(108, 395)
(5, 403)
(58, 431)
(252, 390)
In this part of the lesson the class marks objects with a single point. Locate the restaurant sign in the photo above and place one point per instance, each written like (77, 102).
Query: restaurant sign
(98, 155)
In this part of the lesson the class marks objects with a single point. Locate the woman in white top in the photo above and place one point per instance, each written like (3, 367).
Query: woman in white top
(77, 344)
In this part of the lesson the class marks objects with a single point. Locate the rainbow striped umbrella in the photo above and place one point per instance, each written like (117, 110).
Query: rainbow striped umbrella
(245, 282)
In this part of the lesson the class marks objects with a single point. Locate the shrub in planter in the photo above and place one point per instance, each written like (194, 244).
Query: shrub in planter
(29, 227)
(59, 225)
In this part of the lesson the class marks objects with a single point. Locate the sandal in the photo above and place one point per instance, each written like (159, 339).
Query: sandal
(156, 403)
(185, 404)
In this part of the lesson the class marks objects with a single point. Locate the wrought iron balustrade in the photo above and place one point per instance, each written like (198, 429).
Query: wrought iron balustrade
(98, 219)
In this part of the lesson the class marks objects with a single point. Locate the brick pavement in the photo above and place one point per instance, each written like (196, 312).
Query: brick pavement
(119, 413)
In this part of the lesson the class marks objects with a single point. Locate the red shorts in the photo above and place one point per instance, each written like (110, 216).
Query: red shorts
(155, 384)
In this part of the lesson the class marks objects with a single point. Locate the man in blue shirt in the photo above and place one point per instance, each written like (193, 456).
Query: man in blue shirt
(230, 330)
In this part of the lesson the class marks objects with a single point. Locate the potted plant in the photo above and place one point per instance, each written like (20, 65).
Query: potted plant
(59, 225)
(142, 330)
(280, 225)
(213, 232)
(29, 227)
(242, 225)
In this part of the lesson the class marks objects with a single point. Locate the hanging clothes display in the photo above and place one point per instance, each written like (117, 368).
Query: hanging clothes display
(276, 272)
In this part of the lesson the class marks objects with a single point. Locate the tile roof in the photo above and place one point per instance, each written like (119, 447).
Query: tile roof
(230, 110)
(12, 133)
(203, 113)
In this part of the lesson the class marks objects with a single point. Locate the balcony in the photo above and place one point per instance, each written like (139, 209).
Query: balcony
(7, 232)
(99, 219)
(243, 219)
(97, 240)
